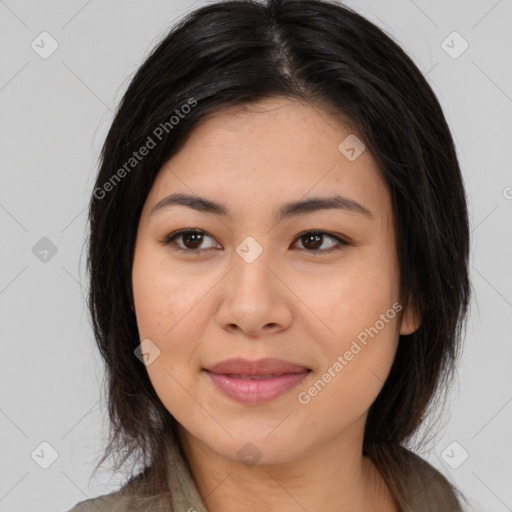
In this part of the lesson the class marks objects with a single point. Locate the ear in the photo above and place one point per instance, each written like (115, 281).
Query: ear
(411, 319)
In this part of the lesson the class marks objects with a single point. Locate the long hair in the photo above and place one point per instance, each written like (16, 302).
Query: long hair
(318, 51)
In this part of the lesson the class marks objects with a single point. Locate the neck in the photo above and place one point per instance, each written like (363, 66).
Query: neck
(333, 477)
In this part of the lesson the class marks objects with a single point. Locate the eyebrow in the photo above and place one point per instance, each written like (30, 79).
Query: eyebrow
(291, 209)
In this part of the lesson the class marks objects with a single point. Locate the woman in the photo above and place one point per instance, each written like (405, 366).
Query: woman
(278, 267)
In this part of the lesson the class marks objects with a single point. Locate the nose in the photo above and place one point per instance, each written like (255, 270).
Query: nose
(254, 298)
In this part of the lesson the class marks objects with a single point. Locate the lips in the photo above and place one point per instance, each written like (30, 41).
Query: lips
(256, 382)
(259, 368)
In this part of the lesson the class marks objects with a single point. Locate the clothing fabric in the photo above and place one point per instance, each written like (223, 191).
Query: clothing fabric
(427, 490)
(183, 490)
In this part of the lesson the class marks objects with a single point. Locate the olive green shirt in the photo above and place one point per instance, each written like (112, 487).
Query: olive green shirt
(427, 490)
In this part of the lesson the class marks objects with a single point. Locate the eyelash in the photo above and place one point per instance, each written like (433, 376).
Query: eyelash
(168, 240)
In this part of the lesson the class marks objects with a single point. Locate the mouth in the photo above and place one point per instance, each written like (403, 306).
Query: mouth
(256, 368)
(256, 382)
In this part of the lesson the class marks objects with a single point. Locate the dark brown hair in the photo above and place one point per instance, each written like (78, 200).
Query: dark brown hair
(318, 51)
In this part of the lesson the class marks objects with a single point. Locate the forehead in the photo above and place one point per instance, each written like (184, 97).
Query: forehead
(277, 147)
(294, 126)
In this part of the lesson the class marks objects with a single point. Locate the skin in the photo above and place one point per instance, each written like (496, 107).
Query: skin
(202, 308)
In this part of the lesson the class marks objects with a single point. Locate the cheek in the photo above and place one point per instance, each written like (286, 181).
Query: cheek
(358, 305)
(356, 363)
(168, 310)
(352, 295)
(166, 297)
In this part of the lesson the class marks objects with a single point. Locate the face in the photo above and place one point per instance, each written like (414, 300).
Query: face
(316, 286)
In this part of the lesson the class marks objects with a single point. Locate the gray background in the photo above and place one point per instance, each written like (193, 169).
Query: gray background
(55, 113)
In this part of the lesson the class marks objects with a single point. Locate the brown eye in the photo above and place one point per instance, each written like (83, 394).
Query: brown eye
(312, 241)
(191, 240)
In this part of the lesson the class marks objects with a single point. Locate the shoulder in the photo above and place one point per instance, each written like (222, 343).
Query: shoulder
(114, 502)
(426, 488)
(126, 499)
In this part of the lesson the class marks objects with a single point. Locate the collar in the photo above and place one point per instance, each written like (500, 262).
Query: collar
(185, 496)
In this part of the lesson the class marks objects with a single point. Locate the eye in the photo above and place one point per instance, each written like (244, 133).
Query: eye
(192, 240)
(313, 240)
